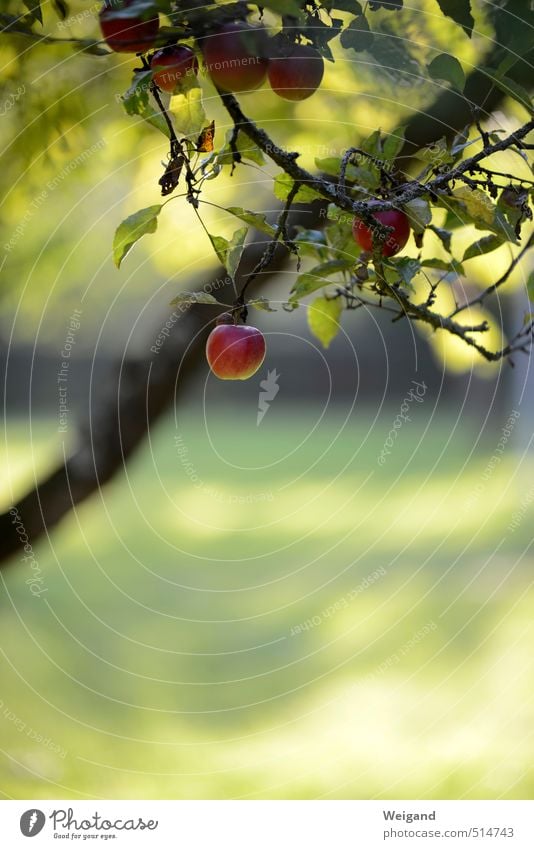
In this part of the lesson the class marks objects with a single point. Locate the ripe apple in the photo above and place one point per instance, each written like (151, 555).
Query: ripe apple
(132, 33)
(171, 64)
(395, 239)
(235, 56)
(296, 71)
(235, 351)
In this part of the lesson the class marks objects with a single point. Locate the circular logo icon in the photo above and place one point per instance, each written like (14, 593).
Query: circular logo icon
(32, 822)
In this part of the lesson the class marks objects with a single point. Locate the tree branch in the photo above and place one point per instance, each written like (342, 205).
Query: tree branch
(363, 209)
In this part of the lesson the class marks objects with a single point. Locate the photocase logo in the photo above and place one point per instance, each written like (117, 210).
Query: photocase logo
(270, 390)
(32, 822)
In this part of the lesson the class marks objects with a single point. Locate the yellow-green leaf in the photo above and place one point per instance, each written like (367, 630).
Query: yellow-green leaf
(315, 279)
(235, 251)
(419, 213)
(188, 111)
(283, 184)
(255, 219)
(483, 246)
(447, 67)
(132, 228)
(194, 298)
(323, 319)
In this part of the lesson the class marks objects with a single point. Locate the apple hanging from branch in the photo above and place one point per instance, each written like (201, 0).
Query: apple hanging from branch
(235, 351)
(392, 242)
(126, 30)
(171, 64)
(295, 70)
(235, 56)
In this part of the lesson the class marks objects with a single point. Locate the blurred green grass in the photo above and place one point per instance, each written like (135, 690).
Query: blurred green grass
(163, 656)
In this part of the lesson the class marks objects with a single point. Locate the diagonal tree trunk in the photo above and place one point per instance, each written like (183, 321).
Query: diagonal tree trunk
(138, 394)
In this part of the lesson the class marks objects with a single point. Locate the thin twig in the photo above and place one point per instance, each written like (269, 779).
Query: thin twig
(483, 295)
(271, 247)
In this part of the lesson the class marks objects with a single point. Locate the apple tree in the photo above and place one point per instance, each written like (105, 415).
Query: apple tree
(378, 205)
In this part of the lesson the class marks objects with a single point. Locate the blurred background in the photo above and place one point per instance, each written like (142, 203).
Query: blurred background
(320, 604)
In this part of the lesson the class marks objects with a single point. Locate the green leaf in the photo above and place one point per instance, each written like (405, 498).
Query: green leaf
(93, 48)
(283, 7)
(419, 213)
(245, 147)
(255, 219)
(220, 246)
(155, 119)
(447, 67)
(261, 304)
(132, 228)
(396, 60)
(447, 265)
(188, 111)
(341, 241)
(483, 246)
(444, 236)
(317, 277)
(460, 140)
(368, 177)
(453, 221)
(435, 154)
(373, 144)
(475, 207)
(330, 165)
(312, 243)
(513, 90)
(136, 102)
(135, 97)
(390, 5)
(323, 319)
(460, 12)
(236, 246)
(513, 23)
(405, 268)
(357, 36)
(530, 286)
(324, 50)
(471, 206)
(334, 213)
(320, 34)
(348, 6)
(34, 6)
(229, 252)
(283, 185)
(393, 144)
(194, 298)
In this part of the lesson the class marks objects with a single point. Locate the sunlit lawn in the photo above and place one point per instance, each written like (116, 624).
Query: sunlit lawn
(167, 656)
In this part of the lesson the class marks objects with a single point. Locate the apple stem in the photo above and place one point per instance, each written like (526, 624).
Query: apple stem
(226, 318)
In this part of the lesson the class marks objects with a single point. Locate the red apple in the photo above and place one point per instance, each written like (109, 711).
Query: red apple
(132, 33)
(395, 239)
(296, 71)
(171, 64)
(235, 351)
(235, 56)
